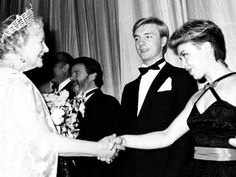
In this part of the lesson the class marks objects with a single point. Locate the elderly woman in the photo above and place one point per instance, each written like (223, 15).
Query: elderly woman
(210, 114)
(29, 143)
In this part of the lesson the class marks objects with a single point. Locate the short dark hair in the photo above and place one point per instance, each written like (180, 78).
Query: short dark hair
(91, 66)
(200, 31)
(63, 57)
(161, 26)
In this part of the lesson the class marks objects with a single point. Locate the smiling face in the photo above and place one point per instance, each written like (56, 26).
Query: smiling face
(194, 58)
(33, 50)
(149, 43)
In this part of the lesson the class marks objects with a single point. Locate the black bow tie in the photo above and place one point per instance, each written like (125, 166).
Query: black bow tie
(144, 70)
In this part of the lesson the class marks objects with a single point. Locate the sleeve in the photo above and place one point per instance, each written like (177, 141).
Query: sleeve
(115, 116)
(109, 116)
(125, 115)
(129, 102)
(26, 147)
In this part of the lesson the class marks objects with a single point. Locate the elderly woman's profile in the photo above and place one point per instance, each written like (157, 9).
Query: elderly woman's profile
(29, 143)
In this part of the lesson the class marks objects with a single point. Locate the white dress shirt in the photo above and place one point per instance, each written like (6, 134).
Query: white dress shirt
(145, 83)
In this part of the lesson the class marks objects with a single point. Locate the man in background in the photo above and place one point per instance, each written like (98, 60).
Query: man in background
(62, 72)
(100, 114)
(61, 81)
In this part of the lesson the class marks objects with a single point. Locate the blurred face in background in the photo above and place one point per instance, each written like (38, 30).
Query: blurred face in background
(58, 70)
(61, 72)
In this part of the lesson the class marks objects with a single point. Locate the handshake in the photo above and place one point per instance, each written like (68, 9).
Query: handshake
(110, 147)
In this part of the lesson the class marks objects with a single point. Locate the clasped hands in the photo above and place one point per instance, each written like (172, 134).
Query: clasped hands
(110, 147)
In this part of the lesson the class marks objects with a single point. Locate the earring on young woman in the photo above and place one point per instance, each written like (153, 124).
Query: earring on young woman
(22, 60)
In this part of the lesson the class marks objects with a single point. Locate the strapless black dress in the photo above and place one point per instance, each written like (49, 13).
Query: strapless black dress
(212, 129)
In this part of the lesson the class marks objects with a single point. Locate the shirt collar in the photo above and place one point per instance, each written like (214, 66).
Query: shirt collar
(63, 84)
(160, 65)
(90, 90)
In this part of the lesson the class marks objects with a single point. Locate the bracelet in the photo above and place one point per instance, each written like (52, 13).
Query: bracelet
(123, 143)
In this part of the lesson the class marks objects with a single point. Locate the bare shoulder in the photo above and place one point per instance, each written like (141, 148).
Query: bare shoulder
(195, 97)
(230, 83)
(228, 90)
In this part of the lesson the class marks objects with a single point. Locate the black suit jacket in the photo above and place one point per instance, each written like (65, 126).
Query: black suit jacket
(102, 118)
(158, 110)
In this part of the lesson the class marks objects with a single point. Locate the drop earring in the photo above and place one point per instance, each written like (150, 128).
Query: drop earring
(22, 60)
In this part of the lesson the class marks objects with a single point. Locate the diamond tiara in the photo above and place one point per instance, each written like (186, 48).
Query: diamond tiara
(21, 21)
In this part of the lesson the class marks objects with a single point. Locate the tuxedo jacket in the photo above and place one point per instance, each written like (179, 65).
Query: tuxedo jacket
(157, 112)
(102, 118)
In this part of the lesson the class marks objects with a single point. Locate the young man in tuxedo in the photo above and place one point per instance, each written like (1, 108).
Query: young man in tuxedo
(62, 72)
(101, 115)
(152, 101)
